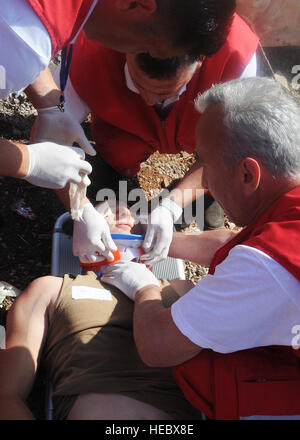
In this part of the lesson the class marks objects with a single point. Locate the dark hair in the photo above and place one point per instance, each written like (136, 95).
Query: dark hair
(159, 68)
(198, 26)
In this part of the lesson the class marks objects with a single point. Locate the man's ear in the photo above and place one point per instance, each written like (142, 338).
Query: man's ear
(148, 6)
(250, 174)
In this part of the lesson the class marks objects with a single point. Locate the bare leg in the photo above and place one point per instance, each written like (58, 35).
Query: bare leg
(113, 407)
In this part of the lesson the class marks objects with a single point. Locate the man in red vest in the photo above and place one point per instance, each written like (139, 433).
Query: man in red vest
(33, 31)
(233, 340)
(140, 104)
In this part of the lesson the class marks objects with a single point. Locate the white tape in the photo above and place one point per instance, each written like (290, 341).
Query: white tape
(84, 292)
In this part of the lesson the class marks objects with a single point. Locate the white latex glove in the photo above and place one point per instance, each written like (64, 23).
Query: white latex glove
(53, 166)
(91, 237)
(160, 231)
(52, 125)
(129, 277)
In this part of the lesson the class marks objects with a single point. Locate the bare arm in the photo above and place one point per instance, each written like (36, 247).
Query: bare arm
(153, 324)
(14, 159)
(43, 92)
(26, 329)
(199, 248)
(189, 188)
(149, 312)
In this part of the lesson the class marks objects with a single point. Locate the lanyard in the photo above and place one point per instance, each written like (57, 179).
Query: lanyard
(66, 57)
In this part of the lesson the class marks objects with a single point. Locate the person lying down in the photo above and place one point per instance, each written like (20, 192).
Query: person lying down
(81, 330)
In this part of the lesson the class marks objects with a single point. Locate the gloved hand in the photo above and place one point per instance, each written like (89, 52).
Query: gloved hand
(160, 231)
(52, 125)
(91, 237)
(128, 276)
(53, 166)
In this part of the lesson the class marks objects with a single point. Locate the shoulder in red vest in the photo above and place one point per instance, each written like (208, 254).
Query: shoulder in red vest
(62, 19)
(269, 233)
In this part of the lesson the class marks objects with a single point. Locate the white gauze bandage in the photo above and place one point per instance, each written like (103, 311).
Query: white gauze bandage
(77, 194)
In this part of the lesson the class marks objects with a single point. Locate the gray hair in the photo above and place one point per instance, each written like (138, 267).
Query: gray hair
(261, 119)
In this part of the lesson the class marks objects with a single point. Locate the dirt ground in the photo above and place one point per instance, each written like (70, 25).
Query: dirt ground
(28, 213)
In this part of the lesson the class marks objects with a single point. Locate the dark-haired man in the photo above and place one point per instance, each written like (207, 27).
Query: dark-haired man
(141, 104)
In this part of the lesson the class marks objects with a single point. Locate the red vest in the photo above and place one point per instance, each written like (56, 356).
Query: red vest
(126, 130)
(61, 18)
(258, 381)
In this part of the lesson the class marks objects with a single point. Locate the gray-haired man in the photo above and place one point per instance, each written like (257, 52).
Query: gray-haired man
(232, 339)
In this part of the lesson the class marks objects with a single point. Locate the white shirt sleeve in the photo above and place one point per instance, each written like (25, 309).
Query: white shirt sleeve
(73, 102)
(25, 46)
(251, 69)
(250, 301)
